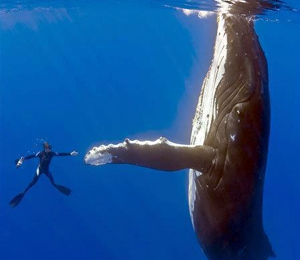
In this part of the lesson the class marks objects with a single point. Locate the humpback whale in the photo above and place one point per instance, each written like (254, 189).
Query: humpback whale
(227, 154)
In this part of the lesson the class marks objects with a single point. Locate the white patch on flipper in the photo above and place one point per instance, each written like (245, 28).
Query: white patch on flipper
(98, 156)
(99, 159)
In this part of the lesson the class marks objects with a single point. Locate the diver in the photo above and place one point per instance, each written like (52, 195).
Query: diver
(45, 157)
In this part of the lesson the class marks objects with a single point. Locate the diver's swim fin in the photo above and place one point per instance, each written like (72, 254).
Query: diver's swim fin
(63, 189)
(16, 200)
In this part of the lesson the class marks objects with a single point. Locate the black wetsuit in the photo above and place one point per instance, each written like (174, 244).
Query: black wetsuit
(45, 160)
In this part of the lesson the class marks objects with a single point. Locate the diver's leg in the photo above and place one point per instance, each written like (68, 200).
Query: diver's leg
(61, 188)
(16, 200)
(33, 182)
(49, 175)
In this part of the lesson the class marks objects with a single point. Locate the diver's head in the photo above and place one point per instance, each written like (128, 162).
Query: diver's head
(47, 147)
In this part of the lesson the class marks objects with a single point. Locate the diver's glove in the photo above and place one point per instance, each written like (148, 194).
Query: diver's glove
(74, 153)
(20, 161)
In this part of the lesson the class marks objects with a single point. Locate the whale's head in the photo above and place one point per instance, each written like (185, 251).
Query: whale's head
(248, 7)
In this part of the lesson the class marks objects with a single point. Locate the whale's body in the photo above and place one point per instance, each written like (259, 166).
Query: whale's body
(229, 145)
(233, 117)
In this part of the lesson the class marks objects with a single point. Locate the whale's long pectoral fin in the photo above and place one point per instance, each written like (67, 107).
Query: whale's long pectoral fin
(160, 154)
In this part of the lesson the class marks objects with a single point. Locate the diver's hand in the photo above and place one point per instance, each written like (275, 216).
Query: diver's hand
(19, 163)
(74, 153)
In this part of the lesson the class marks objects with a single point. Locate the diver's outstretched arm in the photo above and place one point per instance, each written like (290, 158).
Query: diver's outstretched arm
(160, 154)
(19, 162)
(74, 153)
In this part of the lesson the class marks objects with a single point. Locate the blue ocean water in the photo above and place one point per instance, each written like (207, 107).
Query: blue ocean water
(90, 72)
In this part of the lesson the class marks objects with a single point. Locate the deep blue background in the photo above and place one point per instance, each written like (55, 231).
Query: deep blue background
(91, 73)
